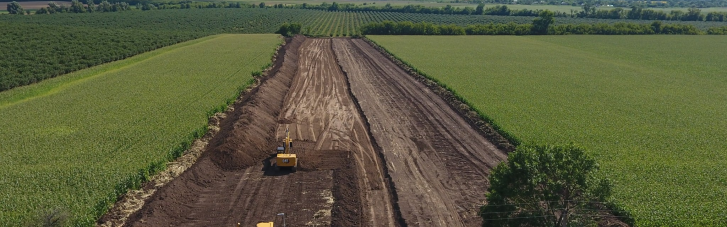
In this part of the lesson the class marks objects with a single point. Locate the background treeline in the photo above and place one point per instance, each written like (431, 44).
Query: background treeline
(620, 28)
(588, 11)
(42, 46)
(39, 47)
(33, 52)
(616, 3)
(635, 12)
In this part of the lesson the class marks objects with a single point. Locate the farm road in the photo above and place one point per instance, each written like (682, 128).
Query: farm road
(376, 148)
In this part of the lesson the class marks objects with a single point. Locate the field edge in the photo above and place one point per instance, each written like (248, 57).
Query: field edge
(180, 158)
(482, 122)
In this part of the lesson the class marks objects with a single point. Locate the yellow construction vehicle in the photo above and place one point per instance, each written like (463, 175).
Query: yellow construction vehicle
(285, 158)
(268, 224)
(261, 224)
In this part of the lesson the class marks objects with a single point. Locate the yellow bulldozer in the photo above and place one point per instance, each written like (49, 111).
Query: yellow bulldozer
(285, 158)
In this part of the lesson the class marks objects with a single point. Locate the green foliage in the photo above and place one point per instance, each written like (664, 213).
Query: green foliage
(620, 28)
(31, 52)
(717, 31)
(289, 29)
(409, 28)
(541, 24)
(647, 113)
(109, 128)
(37, 52)
(545, 186)
(15, 8)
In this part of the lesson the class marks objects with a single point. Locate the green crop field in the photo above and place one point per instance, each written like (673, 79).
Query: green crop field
(70, 142)
(650, 108)
(568, 8)
(30, 52)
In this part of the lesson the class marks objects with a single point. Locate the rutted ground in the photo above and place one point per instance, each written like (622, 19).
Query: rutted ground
(376, 148)
(438, 162)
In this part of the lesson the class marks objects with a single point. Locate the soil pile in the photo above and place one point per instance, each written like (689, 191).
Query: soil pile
(245, 135)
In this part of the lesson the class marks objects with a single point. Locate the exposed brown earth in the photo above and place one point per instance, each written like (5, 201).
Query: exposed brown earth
(438, 162)
(376, 148)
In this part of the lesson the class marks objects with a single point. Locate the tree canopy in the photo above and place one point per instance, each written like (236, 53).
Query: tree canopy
(545, 186)
(15, 8)
(541, 24)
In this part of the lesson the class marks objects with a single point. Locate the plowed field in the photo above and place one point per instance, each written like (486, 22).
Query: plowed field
(376, 148)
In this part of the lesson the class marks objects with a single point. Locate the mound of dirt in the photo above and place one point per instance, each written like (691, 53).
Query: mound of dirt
(245, 138)
(241, 142)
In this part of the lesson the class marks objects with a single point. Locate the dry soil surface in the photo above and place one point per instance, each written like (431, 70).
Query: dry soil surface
(376, 148)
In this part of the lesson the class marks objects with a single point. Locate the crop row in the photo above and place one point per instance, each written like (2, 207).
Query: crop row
(38, 47)
(649, 114)
(72, 144)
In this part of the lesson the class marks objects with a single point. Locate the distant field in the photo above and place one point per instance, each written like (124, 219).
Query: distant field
(562, 8)
(650, 108)
(567, 8)
(68, 141)
(359, 2)
(35, 4)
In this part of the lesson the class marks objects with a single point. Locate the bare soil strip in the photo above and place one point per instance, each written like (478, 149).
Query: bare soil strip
(438, 162)
(375, 148)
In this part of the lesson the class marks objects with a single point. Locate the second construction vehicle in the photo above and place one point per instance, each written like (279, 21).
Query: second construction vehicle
(285, 158)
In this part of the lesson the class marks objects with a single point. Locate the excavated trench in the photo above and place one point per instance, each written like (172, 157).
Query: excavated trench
(376, 148)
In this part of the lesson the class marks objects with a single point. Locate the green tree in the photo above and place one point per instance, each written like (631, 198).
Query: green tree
(283, 30)
(541, 24)
(90, 6)
(480, 9)
(77, 7)
(262, 5)
(545, 186)
(42, 10)
(53, 8)
(15, 8)
(104, 6)
(333, 7)
(289, 29)
(468, 10)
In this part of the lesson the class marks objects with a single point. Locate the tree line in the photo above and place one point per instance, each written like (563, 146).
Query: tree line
(543, 25)
(588, 11)
(616, 3)
(89, 6)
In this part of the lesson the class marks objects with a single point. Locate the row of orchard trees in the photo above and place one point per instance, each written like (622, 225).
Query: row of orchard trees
(75, 7)
(541, 26)
(638, 13)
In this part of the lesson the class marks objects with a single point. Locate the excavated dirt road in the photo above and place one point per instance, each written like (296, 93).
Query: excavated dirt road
(376, 148)
(438, 162)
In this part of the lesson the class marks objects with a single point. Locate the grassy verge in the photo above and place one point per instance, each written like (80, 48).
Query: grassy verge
(649, 112)
(74, 143)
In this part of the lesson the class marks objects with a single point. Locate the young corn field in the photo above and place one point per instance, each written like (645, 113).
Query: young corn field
(73, 143)
(650, 108)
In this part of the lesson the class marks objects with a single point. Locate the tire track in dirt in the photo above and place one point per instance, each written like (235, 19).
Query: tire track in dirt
(340, 181)
(438, 162)
(375, 148)
(322, 113)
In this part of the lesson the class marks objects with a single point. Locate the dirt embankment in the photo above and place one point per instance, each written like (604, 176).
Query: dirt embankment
(245, 135)
(375, 148)
(249, 124)
(438, 162)
(134, 200)
(341, 179)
